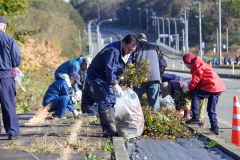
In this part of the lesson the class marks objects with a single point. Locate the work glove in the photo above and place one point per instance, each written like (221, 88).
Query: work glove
(117, 90)
(78, 95)
(185, 89)
(76, 113)
(74, 100)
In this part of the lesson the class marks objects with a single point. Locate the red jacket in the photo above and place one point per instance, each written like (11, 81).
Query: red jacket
(205, 78)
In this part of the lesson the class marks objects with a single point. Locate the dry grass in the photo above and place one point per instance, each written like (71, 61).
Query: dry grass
(39, 117)
(78, 139)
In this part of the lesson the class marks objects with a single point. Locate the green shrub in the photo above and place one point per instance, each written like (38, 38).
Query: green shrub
(165, 124)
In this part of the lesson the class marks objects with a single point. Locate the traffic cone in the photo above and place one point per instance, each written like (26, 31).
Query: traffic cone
(236, 122)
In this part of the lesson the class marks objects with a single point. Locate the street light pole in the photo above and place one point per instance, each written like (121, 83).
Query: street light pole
(146, 18)
(227, 39)
(200, 29)
(163, 29)
(98, 32)
(169, 32)
(140, 18)
(200, 26)
(220, 31)
(186, 29)
(90, 45)
(158, 25)
(129, 16)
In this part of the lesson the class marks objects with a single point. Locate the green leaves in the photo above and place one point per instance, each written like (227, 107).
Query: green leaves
(13, 7)
(165, 124)
(136, 74)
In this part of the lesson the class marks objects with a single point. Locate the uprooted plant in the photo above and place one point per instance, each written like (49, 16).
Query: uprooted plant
(165, 124)
(136, 73)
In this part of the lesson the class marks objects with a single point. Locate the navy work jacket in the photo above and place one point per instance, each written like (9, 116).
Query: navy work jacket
(57, 89)
(107, 65)
(10, 55)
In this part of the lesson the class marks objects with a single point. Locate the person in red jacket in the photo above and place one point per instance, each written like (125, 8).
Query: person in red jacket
(205, 84)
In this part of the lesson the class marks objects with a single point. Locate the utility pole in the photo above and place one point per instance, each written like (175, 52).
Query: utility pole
(227, 39)
(90, 45)
(220, 31)
(146, 18)
(129, 15)
(200, 29)
(183, 41)
(186, 29)
(218, 43)
(163, 29)
(140, 17)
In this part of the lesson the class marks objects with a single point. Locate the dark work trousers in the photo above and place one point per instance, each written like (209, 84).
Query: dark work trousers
(7, 101)
(199, 95)
(88, 104)
(103, 95)
(60, 104)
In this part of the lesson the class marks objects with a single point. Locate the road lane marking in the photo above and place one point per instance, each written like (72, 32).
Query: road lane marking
(224, 122)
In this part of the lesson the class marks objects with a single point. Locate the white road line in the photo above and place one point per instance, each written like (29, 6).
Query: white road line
(224, 122)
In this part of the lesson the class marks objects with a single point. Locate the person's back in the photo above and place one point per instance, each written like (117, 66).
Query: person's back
(58, 97)
(56, 89)
(210, 81)
(148, 52)
(151, 53)
(205, 83)
(70, 66)
(10, 58)
(110, 53)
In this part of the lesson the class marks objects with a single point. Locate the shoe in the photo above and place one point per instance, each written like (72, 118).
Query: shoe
(215, 130)
(201, 123)
(54, 116)
(11, 137)
(62, 118)
(192, 121)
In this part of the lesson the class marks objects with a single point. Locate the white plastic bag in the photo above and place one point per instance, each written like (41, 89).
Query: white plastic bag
(18, 76)
(167, 102)
(129, 115)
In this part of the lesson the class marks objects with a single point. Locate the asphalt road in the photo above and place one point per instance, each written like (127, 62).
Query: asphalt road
(225, 105)
(176, 64)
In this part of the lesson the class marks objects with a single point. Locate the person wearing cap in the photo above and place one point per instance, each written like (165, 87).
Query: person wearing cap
(103, 72)
(10, 58)
(205, 83)
(59, 97)
(74, 65)
(157, 64)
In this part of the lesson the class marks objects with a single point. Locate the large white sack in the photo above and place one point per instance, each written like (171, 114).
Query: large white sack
(129, 115)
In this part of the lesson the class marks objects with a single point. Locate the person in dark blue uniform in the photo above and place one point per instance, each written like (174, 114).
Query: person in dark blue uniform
(10, 57)
(102, 73)
(59, 97)
(74, 65)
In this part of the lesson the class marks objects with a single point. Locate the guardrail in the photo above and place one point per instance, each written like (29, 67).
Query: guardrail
(168, 51)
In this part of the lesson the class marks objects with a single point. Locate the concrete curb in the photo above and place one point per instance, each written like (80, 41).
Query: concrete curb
(221, 75)
(227, 147)
(120, 149)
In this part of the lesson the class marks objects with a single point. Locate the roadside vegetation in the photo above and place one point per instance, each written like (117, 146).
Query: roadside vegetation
(48, 33)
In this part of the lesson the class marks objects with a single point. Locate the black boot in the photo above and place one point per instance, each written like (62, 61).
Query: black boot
(215, 130)
(107, 119)
(193, 120)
